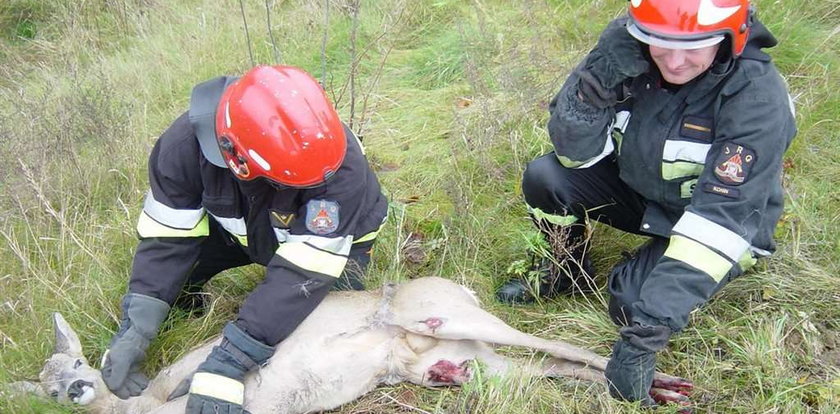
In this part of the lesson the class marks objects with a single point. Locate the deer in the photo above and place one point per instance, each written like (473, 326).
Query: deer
(428, 331)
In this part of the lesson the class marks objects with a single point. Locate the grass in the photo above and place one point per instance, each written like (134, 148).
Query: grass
(456, 96)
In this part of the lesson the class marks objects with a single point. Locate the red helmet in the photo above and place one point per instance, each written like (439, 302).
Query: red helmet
(690, 24)
(276, 122)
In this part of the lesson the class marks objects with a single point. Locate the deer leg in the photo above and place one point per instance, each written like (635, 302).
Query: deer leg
(461, 321)
(555, 367)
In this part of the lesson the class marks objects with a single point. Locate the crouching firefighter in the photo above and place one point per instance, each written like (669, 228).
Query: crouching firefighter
(259, 170)
(674, 127)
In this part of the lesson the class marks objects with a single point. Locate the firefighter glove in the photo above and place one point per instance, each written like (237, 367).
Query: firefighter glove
(617, 56)
(631, 369)
(218, 386)
(141, 318)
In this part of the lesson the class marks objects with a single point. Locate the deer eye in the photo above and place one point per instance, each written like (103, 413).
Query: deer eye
(54, 394)
(77, 363)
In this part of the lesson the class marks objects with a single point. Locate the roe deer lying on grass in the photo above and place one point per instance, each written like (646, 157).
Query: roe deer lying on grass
(425, 331)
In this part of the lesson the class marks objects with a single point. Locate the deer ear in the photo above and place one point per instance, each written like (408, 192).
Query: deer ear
(66, 340)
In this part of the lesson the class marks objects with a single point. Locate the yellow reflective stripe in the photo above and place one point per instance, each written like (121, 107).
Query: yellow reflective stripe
(747, 261)
(148, 227)
(370, 236)
(698, 256)
(679, 169)
(568, 162)
(552, 218)
(218, 386)
(720, 238)
(309, 258)
(243, 240)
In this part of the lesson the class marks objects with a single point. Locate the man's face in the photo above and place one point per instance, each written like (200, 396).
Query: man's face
(679, 66)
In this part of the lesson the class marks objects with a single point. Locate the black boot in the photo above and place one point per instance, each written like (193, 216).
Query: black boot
(567, 278)
(193, 300)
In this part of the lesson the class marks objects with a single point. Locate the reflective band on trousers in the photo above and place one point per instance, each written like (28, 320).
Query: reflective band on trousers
(712, 234)
(698, 256)
(552, 218)
(218, 386)
(309, 258)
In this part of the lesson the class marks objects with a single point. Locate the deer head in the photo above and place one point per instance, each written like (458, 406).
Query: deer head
(67, 376)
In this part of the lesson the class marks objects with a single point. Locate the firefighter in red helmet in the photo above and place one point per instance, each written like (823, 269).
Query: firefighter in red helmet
(673, 127)
(259, 170)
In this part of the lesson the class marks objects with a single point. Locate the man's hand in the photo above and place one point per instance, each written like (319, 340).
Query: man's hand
(631, 369)
(142, 316)
(218, 386)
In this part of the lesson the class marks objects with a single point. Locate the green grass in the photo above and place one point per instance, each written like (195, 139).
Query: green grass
(456, 95)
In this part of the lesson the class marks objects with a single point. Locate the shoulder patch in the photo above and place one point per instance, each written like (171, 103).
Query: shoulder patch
(734, 163)
(322, 216)
(722, 190)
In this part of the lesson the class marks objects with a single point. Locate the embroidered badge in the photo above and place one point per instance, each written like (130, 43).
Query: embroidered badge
(281, 220)
(733, 165)
(322, 216)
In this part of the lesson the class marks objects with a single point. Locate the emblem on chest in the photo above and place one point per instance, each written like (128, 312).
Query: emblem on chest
(322, 216)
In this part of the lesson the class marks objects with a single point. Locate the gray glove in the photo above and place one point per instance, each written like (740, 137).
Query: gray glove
(631, 369)
(218, 385)
(142, 316)
(618, 56)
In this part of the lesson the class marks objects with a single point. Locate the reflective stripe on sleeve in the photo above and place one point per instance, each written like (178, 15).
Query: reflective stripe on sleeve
(698, 256)
(183, 219)
(552, 218)
(234, 226)
(685, 151)
(372, 235)
(712, 235)
(619, 123)
(308, 257)
(609, 147)
(148, 227)
(218, 386)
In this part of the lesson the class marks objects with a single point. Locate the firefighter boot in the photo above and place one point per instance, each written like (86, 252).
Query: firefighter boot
(568, 277)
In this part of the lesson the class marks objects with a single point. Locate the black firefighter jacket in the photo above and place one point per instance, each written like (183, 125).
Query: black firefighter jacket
(302, 236)
(707, 157)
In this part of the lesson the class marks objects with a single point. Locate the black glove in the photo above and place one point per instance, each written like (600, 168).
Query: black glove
(142, 316)
(631, 369)
(618, 56)
(218, 386)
